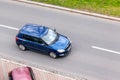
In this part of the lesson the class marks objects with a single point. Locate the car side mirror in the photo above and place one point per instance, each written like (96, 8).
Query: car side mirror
(42, 44)
(54, 30)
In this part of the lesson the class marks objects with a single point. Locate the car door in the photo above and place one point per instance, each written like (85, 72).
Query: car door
(40, 45)
(28, 41)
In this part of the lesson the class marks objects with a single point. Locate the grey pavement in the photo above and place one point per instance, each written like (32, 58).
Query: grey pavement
(84, 31)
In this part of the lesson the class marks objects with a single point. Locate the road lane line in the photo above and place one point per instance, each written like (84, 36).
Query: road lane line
(9, 27)
(103, 49)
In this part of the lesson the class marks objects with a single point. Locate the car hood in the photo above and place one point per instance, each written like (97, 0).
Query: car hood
(61, 43)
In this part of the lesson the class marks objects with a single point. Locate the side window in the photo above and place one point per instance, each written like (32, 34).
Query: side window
(37, 40)
(27, 37)
(34, 39)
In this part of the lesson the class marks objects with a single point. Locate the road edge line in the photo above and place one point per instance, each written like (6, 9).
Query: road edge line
(70, 10)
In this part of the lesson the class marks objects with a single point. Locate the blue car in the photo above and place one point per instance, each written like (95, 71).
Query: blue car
(44, 39)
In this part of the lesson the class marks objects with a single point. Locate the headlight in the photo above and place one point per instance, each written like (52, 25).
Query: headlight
(61, 50)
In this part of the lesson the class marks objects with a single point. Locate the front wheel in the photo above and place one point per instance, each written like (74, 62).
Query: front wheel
(53, 55)
(22, 47)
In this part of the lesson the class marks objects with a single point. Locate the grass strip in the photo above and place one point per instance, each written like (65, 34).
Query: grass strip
(107, 7)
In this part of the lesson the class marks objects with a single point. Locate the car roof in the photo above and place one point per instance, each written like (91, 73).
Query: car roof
(34, 30)
(21, 73)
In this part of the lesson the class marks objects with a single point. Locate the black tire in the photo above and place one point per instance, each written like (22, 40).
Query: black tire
(22, 47)
(10, 77)
(32, 74)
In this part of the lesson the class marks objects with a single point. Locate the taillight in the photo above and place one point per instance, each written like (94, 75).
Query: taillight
(16, 38)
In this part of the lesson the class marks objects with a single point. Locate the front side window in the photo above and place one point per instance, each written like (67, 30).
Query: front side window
(37, 40)
(50, 37)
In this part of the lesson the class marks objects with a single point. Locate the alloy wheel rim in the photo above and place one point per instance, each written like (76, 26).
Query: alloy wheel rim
(21, 47)
(52, 55)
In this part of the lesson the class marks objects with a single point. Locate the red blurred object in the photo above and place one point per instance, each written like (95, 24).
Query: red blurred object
(21, 73)
(16, 38)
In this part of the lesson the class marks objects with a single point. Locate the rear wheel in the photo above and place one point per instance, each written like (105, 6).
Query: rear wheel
(53, 55)
(22, 47)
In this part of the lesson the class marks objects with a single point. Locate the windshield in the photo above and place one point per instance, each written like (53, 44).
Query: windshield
(50, 37)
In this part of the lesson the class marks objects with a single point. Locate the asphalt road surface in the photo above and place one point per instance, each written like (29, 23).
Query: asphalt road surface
(95, 42)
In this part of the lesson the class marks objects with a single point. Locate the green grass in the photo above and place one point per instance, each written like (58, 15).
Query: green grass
(107, 7)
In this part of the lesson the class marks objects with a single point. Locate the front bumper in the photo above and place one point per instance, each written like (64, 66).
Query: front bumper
(68, 49)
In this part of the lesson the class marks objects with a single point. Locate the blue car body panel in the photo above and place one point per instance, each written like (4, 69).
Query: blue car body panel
(34, 30)
(61, 43)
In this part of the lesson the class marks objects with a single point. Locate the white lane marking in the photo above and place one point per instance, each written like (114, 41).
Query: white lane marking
(103, 49)
(4, 26)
